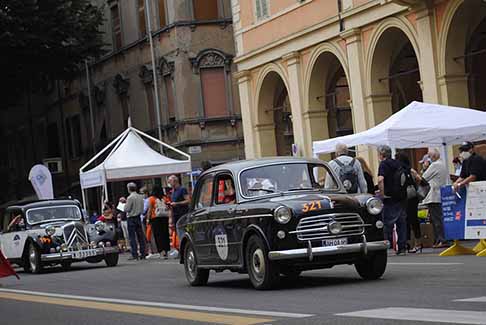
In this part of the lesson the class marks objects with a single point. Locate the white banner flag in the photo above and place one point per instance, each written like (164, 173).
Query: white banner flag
(41, 180)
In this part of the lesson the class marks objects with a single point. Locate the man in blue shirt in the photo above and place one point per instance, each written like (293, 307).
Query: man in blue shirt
(180, 199)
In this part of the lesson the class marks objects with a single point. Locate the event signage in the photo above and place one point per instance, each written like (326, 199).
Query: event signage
(41, 180)
(464, 212)
(93, 178)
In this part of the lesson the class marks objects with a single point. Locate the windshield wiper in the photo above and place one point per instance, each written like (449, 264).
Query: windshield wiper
(301, 189)
(261, 189)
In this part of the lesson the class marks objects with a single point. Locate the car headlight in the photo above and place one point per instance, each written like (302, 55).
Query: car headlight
(374, 206)
(50, 231)
(100, 225)
(283, 215)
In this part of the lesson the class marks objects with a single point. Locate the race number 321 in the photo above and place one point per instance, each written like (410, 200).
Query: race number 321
(311, 206)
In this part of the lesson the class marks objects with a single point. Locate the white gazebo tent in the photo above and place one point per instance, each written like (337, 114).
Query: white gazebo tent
(418, 125)
(131, 158)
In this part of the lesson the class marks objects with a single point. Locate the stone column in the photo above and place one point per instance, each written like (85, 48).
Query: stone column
(428, 57)
(454, 90)
(247, 114)
(302, 136)
(362, 117)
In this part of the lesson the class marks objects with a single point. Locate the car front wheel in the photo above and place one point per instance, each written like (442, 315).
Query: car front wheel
(111, 259)
(194, 275)
(373, 266)
(263, 273)
(33, 262)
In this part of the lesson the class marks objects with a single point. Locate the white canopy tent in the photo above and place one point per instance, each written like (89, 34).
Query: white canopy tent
(131, 158)
(418, 125)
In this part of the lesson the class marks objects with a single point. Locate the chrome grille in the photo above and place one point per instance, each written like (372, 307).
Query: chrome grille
(74, 235)
(313, 228)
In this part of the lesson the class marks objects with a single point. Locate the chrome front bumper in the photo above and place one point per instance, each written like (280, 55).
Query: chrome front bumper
(310, 251)
(70, 254)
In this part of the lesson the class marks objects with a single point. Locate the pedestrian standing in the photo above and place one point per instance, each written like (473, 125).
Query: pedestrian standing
(392, 188)
(413, 223)
(159, 213)
(473, 166)
(368, 175)
(436, 176)
(122, 216)
(348, 170)
(180, 200)
(134, 208)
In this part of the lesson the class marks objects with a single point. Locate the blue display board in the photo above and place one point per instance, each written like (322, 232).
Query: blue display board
(454, 212)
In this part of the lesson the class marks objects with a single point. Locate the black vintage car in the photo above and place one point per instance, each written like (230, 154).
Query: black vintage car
(52, 232)
(279, 216)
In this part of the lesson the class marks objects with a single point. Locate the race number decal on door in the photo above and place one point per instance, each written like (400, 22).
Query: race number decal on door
(221, 240)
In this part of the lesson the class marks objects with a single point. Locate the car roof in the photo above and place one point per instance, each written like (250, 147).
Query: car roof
(237, 166)
(24, 205)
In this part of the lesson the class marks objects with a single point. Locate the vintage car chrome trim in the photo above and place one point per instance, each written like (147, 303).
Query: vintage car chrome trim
(315, 227)
(330, 250)
(231, 219)
(70, 255)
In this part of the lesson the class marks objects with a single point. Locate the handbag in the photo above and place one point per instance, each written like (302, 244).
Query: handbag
(423, 190)
(411, 192)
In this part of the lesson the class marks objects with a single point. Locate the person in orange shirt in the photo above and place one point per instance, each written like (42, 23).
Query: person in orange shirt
(158, 219)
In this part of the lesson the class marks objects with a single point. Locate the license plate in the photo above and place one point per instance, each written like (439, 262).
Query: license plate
(335, 242)
(84, 254)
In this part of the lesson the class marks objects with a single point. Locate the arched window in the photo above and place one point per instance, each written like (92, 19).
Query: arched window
(214, 67)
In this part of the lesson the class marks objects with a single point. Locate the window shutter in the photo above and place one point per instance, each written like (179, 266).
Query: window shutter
(205, 9)
(264, 9)
(214, 92)
(258, 9)
(162, 18)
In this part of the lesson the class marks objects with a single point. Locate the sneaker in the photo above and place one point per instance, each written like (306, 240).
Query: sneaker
(133, 258)
(401, 252)
(153, 256)
(164, 255)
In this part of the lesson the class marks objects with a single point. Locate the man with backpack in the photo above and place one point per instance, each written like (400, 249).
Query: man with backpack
(349, 171)
(392, 187)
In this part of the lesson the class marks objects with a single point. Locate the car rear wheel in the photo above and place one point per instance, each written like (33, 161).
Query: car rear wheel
(264, 274)
(373, 266)
(33, 262)
(194, 275)
(111, 259)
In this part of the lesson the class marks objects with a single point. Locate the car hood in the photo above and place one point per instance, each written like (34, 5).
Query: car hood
(299, 202)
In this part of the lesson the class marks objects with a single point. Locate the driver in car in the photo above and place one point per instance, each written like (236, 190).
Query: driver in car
(17, 224)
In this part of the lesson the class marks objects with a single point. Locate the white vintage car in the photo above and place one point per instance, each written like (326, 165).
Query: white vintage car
(52, 232)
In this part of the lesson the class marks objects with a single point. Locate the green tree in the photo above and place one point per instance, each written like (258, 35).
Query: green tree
(45, 39)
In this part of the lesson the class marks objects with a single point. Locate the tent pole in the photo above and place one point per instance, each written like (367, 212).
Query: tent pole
(84, 199)
(445, 156)
(102, 151)
(162, 143)
(192, 182)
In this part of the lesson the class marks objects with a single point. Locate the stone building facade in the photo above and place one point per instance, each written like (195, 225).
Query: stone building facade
(313, 69)
(200, 111)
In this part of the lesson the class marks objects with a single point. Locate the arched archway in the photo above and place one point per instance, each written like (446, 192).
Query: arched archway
(464, 54)
(274, 118)
(328, 96)
(394, 77)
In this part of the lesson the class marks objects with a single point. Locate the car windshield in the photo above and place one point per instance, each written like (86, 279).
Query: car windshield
(279, 178)
(44, 214)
